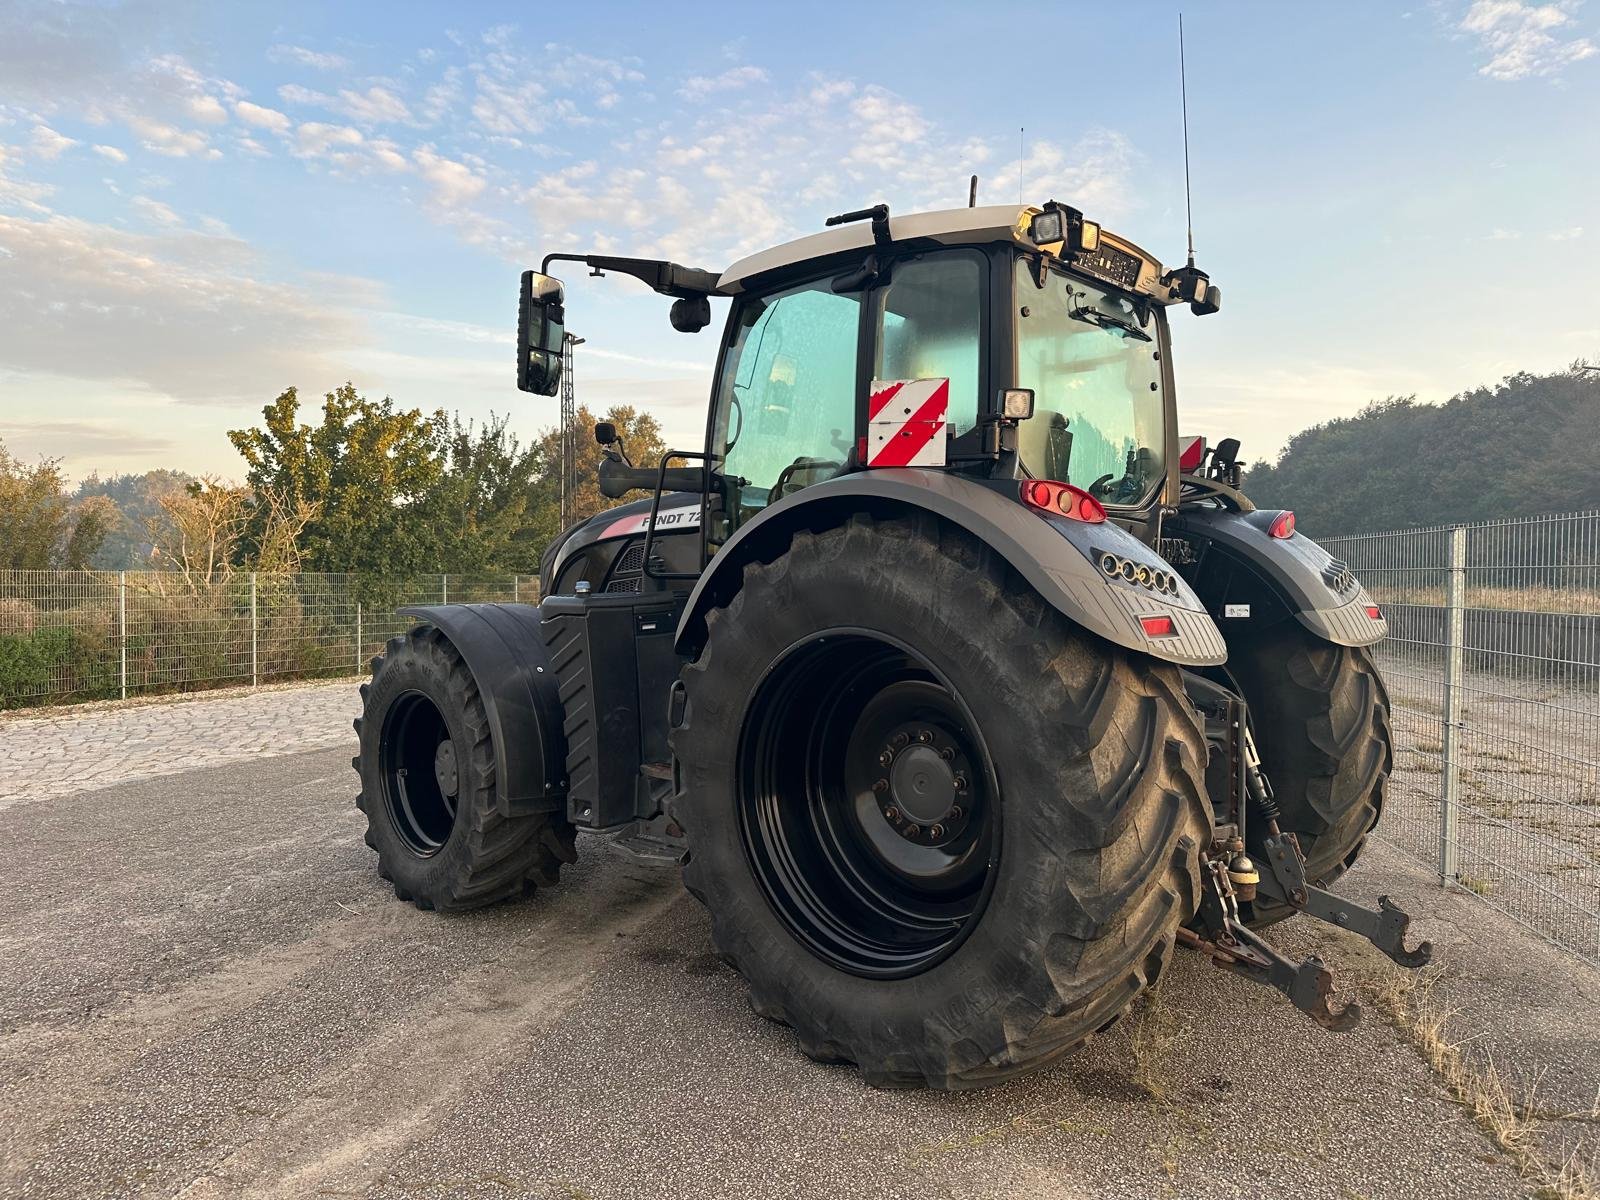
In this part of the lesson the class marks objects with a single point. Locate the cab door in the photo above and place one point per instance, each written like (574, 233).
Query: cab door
(788, 395)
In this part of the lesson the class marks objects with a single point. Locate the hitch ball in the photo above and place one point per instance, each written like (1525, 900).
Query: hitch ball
(1244, 875)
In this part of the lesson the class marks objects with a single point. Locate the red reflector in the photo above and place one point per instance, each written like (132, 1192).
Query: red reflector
(1374, 612)
(1062, 499)
(1192, 454)
(1282, 525)
(1158, 627)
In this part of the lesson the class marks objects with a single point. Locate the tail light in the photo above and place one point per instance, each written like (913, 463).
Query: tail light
(1374, 612)
(1062, 500)
(1282, 525)
(1158, 627)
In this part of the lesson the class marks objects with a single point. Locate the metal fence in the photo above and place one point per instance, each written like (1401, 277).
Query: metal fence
(1493, 667)
(86, 635)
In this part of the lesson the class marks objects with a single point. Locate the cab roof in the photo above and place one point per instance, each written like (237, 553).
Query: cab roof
(951, 227)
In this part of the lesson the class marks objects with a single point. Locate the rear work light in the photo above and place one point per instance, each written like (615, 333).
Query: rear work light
(1063, 500)
(1158, 627)
(1282, 525)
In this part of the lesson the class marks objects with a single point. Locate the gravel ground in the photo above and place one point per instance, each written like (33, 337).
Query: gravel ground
(205, 991)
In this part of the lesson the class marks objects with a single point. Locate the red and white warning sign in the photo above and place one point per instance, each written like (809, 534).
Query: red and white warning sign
(906, 422)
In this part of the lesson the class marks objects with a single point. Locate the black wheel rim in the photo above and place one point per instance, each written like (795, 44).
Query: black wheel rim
(868, 805)
(421, 777)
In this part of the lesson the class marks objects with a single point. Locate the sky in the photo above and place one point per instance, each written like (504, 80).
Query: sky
(202, 205)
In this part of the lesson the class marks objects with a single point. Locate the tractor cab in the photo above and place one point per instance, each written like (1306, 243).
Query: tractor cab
(1003, 344)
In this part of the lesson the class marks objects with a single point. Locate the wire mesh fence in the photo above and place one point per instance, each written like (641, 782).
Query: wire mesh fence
(68, 636)
(1493, 665)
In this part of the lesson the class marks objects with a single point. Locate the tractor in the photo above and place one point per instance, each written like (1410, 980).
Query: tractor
(962, 689)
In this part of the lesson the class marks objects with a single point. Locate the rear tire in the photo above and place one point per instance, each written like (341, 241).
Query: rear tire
(1320, 713)
(949, 964)
(424, 732)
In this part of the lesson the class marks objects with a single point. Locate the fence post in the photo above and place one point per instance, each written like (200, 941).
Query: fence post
(516, 589)
(1455, 654)
(122, 626)
(255, 663)
(444, 589)
(358, 637)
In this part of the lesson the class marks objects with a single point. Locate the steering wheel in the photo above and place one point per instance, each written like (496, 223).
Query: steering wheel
(800, 464)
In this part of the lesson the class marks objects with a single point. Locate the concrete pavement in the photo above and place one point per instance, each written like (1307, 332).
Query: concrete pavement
(206, 991)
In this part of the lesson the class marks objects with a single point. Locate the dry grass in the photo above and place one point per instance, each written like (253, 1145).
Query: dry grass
(1509, 1121)
(1154, 1027)
(1529, 599)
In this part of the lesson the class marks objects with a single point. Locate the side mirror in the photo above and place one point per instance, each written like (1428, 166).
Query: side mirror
(605, 433)
(541, 332)
(691, 314)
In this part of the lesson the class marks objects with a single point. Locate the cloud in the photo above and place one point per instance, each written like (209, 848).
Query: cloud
(47, 143)
(698, 87)
(111, 152)
(170, 140)
(75, 439)
(182, 313)
(293, 93)
(315, 59)
(454, 183)
(1569, 234)
(770, 166)
(1504, 235)
(374, 106)
(1525, 40)
(156, 212)
(262, 118)
(317, 139)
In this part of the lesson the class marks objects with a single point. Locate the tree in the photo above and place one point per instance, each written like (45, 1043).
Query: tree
(367, 470)
(40, 527)
(137, 499)
(1519, 448)
(479, 509)
(201, 532)
(641, 435)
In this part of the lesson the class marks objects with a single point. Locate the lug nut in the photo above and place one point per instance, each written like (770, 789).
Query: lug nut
(881, 785)
(955, 813)
(913, 830)
(924, 736)
(961, 783)
(900, 739)
(948, 754)
(892, 813)
(885, 758)
(937, 831)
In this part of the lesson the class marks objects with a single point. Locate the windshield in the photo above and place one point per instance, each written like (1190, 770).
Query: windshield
(1091, 358)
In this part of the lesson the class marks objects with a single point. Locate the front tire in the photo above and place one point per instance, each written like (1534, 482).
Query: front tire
(428, 786)
(1320, 714)
(933, 949)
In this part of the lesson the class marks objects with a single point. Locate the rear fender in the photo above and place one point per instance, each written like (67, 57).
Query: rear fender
(1244, 571)
(503, 650)
(1058, 557)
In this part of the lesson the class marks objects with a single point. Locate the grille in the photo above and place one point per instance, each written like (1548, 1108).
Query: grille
(623, 585)
(630, 561)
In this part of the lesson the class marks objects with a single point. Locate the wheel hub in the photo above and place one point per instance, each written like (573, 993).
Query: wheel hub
(922, 785)
(445, 771)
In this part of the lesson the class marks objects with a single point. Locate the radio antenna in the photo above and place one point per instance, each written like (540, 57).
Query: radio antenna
(1183, 91)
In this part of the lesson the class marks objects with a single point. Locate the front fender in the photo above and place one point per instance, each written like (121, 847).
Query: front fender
(1240, 564)
(501, 646)
(1058, 557)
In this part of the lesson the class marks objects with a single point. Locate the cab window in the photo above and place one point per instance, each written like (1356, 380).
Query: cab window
(929, 327)
(786, 403)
